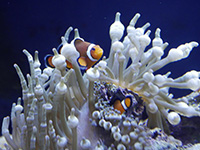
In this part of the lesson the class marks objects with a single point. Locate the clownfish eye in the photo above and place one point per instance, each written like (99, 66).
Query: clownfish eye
(93, 49)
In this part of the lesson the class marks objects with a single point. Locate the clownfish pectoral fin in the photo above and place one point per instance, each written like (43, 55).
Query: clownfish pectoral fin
(82, 63)
(48, 61)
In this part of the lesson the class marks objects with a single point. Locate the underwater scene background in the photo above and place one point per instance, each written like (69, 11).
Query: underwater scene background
(38, 25)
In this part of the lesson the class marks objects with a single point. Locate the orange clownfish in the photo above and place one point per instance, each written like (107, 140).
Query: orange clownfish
(121, 101)
(89, 54)
(123, 105)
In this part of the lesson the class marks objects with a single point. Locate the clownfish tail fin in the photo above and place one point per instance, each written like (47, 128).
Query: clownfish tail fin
(59, 48)
(48, 61)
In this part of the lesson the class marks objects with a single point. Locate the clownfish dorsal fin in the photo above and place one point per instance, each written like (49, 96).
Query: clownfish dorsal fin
(117, 96)
(78, 41)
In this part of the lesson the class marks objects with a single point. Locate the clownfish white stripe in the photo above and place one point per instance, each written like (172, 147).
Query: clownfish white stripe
(89, 54)
(124, 105)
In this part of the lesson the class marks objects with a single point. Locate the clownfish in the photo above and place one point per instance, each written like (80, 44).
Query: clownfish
(123, 105)
(89, 54)
(121, 101)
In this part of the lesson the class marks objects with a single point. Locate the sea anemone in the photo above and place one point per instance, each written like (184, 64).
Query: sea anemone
(64, 108)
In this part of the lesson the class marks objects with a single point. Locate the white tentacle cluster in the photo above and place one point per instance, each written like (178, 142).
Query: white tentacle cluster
(65, 109)
(139, 75)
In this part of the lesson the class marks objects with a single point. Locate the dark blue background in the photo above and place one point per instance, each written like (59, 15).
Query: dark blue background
(38, 25)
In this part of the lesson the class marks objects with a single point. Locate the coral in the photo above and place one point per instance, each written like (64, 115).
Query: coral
(62, 108)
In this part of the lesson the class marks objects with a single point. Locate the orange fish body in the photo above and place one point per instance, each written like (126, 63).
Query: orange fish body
(89, 54)
(121, 101)
(123, 105)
